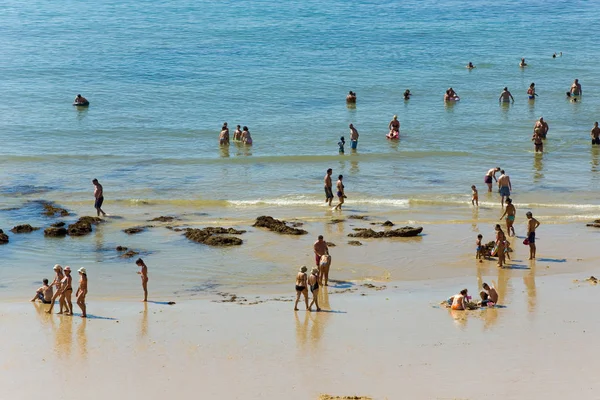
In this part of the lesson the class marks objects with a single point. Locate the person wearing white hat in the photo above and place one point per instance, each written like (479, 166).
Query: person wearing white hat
(301, 287)
(82, 291)
(313, 281)
(58, 277)
(66, 292)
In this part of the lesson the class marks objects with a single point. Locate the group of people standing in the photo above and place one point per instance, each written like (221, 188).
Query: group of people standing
(239, 135)
(329, 189)
(64, 291)
(319, 275)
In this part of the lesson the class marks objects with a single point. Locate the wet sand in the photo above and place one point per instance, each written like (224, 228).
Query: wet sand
(385, 344)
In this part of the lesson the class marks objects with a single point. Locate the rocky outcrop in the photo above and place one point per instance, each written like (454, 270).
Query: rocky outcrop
(595, 224)
(407, 231)
(54, 231)
(162, 218)
(23, 229)
(388, 223)
(121, 248)
(3, 237)
(52, 211)
(91, 220)
(330, 244)
(358, 217)
(354, 243)
(79, 228)
(129, 254)
(212, 236)
(58, 224)
(278, 226)
(134, 230)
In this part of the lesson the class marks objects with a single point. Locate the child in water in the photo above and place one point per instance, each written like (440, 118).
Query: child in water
(479, 254)
(475, 197)
(341, 144)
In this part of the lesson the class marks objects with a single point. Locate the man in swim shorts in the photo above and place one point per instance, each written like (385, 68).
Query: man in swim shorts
(320, 248)
(576, 88)
(488, 294)
(353, 137)
(490, 176)
(504, 185)
(99, 197)
(44, 293)
(505, 96)
(328, 186)
(510, 213)
(541, 127)
(595, 134)
(532, 225)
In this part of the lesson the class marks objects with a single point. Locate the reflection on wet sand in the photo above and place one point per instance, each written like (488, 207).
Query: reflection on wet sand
(99, 242)
(529, 281)
(475, 219)
(310, 327)
(538, 166)
(224, 151)
(64, 336)
(82, 338)
(144, 322)
(354, 165)
(594, 162)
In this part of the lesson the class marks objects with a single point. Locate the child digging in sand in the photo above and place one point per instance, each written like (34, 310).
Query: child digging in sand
(144, 275)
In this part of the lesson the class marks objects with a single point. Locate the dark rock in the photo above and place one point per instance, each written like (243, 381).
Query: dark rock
(594, 225)
(358, 217)
(177, 229)
(129, 254)
(278, 226)
(297, 224)
(162, 219)
(354, 243)
(134, 230)
(388, 223)
(91, 220)
(406, 231)
(3, 237)
(336, 221)
(121, 248)
(58, 224)
(79, 228)
(330, 244)
(211, 236)
(23, 229)
(51, 211)
(54, 231)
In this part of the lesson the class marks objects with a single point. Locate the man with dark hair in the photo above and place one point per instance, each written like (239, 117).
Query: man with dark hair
(44, 293)
(99, 197)
(320, 248)
(532, 225)
(504, 185)
(328, 186)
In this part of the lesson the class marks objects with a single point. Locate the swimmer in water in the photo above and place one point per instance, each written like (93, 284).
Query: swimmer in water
(531, 91)
(81, 101)
(407, 94)
(224, 135)
(351, 98)
(522, 64)
(470, 65)
(246, 138)
(394, 127)
(505, 96)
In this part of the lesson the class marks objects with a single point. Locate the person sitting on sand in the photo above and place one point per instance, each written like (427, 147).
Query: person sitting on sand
(407, 94)
(82, 291)
(81, 101)
(531, 91)
(459, 301)
(510, 213)
(224, 135)
(44, 293)
(324, 266)
(488, 294)
(57, 283)
(351, 97)
(237, 134)
(470, 65)
(144, 275)
(522, 64)
(301, 287)
(313, 281)
(506, 96)
(246, 138)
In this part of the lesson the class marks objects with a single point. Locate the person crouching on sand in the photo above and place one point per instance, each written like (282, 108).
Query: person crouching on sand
(144, 275)
(82, 291)
(301, 287)
(313, 281)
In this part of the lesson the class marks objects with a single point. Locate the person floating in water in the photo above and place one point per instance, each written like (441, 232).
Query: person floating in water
(341, 145)
(531, 91)
(576, 88)
(470, 65)
(407, 94)
(80, 101)
(522, 64)
(351, 98)
(506, 96)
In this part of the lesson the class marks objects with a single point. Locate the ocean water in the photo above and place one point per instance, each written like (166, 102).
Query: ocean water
(163, 76)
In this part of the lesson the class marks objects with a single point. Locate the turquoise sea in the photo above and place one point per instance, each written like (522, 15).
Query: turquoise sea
(163, 76)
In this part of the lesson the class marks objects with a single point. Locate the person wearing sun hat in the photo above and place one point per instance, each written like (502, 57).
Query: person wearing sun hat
(67, 292)
(82, 291)
(57, 283)
(301, 287)
(313, 281)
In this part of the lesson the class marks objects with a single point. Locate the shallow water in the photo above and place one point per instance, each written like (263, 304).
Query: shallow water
(163, 76)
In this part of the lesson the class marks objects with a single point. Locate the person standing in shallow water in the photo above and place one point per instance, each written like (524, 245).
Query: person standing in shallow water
(576, 88)
(301, 283)
(353, 137)
(595, 134)
(224, 135)
(511, 213)
(328, 186)
(340, 192)
(505, 186)
(490, 176)
(532, 225)
(506, 96)
(99, 197)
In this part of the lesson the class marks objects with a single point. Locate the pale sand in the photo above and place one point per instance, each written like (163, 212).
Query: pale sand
(389, 344)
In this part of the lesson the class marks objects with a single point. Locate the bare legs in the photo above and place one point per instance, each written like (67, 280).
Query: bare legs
(81, 304)
(532, 251)
(145, 287)
(315, 300)
(298, 293)
(339, 206)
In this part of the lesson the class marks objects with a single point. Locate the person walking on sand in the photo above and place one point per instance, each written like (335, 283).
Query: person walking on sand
(144, 275)
(500, 246)
(99, 197)
(353, 137)
(320, 249)
(595, 134)
(57, 283)
(301, 287)
(82, 291)
(324, 269)
(505, 96)
(504, 185)
(532, 225)
(490, 176)
(576, 88)
(510, 213)
(67, 292)
(541, 127)
(340, 193)
(313, 281)
(475, 196)
(44, 293)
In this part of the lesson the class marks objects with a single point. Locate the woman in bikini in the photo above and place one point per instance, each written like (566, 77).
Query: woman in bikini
(301, 287)
(82, 291)
(531, 91)
(313, 281)
(340, 193)
(58, 285)
(67, 292)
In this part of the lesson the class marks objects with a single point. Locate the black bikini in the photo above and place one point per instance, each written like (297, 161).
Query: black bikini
(314, 287)
(300, 288)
